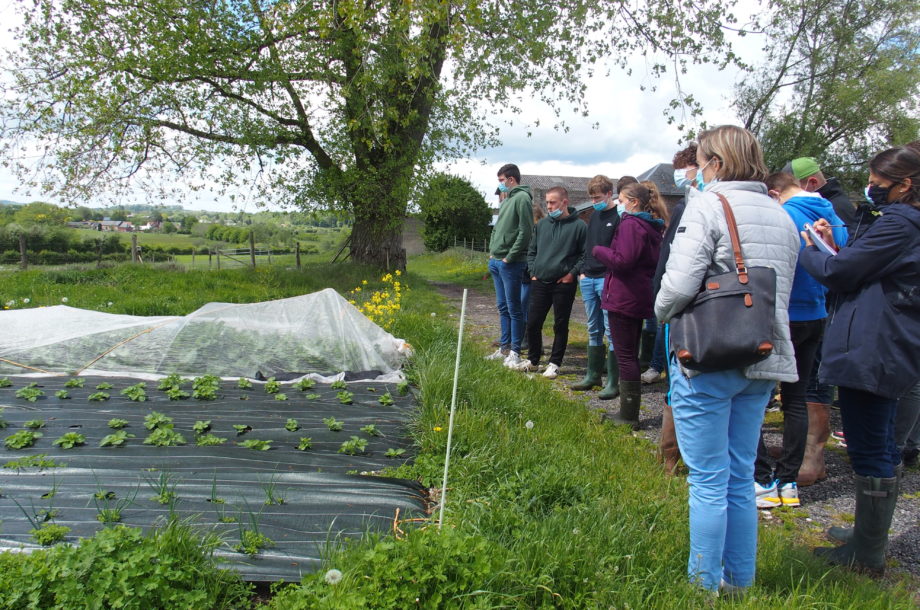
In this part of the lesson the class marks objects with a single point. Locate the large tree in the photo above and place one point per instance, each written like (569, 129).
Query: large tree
(840, 80)
(330, 102)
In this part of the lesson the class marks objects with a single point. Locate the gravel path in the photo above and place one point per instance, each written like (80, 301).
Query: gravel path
(829, 502)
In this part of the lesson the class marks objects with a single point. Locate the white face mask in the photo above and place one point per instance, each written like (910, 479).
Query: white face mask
(680, 177)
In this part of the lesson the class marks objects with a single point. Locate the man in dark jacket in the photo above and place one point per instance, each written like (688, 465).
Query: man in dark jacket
(807, 171)
(554, 260)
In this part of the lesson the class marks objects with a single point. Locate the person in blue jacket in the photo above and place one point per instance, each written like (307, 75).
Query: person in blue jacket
(807, 313)
(871, 344)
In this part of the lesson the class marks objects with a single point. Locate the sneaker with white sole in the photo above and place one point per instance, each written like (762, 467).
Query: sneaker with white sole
(789, 494)
(650, 376)
(767, 495)
(498, 354)
(552, 371)
(512, 359)
(525, 366)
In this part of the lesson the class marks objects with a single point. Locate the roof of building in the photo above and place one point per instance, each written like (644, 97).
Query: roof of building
(663, 177)
(572, 183)
(661, 174)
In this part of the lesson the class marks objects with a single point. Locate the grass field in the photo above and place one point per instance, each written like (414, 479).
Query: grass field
(547, 507)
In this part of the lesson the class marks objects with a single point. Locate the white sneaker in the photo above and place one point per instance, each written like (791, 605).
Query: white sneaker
(497, 355)
(552, 371)
(525, 366)
(512, 359)
(767, 496)
(650, 376)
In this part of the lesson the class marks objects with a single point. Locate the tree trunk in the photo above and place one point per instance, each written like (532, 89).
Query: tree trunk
(378, 242)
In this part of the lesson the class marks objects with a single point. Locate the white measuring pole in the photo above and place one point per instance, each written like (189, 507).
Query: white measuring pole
(453, 408)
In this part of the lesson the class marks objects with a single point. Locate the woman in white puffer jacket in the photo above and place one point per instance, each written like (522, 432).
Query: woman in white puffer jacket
(718, 415)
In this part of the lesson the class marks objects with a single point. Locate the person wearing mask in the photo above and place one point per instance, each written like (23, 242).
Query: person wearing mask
(871, 344)
(601, 227)
(507, 260)
(718, 414)
(554, 261)
(806, 325)
(810, 177)
(630, 260)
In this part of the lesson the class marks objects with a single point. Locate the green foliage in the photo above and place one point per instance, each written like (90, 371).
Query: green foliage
(69, 440)
(5, 382)
(48, 534)
(116, 439)
(22, 439)
(155, 419)
(345, 397)
(394, 453)
(40, 461)
(170, 567)
(205, 387)
(291, 425)
(252, 542)
(452, 209)
(164, 437)
(305, 443)
(171, 381)
(98, 397)
(385, 399)
(62, 394)
(353, 446)
(105, 385)
(209, 440)
(116, 423)
(402, 387)
(75, 382)
(34, 424)
(370, 430)
(280, 396)
(244, 384)
(177, 393)
(333, 424)
(255, 444)
(272, 386)
(108, 515)
(241, 429)
(136, 393)
(338, 385)
(200, 427)
(305, 384)
(30, 392)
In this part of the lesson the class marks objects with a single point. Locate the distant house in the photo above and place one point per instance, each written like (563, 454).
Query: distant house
(150, 225)
(93, 225)
(118, 226)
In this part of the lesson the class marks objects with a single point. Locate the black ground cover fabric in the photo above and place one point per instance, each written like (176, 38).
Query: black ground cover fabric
(299, 499)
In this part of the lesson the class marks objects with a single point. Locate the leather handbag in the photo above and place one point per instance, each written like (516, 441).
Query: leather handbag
(729, 324)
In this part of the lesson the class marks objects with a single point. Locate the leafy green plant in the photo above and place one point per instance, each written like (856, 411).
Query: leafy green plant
(241, 429)
(272, 496)
(75, 382)
(252, 542)
(116, 439)
(394, 453)
(281, 396)
(333, 424)
(116, 423)
(22, 439)
(98, 397)
(345, 397)
(105, 385)
(305, 384)
(136, 392)
(164, 487)
(34, 424)
(3, 423)
(386, 399)
(272, 386)
(155, 419)
(255, 444)
(311, 396)
(62, 394)
(291, 425)
(244, 384)
(402, 387)
(49, 533)
(105, 494)
(305, 444)
(371, 430)
(353, 446)
(177, 393)
(5, 382)
(31, 392)
(171, 381)
(69, 440)
(209, 440)
(338, 385)
(108, 515)
(200, 427)
(164, 437)
(205, 387)
(40, 461)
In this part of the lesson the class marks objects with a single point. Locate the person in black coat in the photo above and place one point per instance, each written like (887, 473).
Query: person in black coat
(871, 345)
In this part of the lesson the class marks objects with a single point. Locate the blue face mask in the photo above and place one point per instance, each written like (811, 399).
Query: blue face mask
(555, 214)
(700, 183)
(680, 178)
(503, 188)
(600, 206)
(621, 209)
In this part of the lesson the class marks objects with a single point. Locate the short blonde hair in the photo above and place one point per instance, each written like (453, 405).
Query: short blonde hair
(738, 152)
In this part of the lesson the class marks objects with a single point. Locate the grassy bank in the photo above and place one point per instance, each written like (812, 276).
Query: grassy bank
(546, 506)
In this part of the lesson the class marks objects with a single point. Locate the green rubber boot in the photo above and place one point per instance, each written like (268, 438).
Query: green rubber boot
(875, 502)
(612, 389)
(596, 356)
(845, 534)
(630, 399)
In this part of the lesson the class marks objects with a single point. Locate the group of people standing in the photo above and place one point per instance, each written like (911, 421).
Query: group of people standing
(852, 305)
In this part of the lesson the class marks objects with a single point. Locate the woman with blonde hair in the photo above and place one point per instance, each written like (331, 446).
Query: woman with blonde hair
(718, 415)
(631, 259)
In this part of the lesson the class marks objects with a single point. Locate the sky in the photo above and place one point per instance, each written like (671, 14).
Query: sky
(631, 133)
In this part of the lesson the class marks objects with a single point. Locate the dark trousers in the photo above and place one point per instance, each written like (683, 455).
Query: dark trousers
(806, 338)
(868, 424)
(544, 296)
(626, 333)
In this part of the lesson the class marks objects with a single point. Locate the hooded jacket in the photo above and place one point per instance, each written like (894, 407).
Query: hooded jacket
(872, 338)
(846, 211)
(514, 226)
(703, 247)
(557, 247)
(630, 259)
(806, 302)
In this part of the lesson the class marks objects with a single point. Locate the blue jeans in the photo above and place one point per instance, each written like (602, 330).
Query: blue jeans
(658, 353)
(868, 424)
(717, 417)
(907, 422)
(507, 279)
(525, 296)
(591, 290)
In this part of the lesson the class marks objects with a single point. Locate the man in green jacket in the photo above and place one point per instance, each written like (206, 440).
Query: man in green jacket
(507, 260)
(554, 261)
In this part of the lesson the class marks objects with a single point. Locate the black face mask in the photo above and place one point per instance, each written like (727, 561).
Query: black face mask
(878, 194)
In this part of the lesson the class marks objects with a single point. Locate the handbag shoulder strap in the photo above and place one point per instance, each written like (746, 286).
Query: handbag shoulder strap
(740, 267)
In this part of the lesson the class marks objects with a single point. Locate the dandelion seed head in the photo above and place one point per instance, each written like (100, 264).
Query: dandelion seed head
(333, 576)
(529, 425)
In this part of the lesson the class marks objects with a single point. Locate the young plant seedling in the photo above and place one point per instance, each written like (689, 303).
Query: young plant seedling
(75, 382)
(200, 427)
(136, 392)
(69, 440)
(205, 387)
(117, 424)
(105, 385)
(31, 392)
(209, 440)
(311, 396)
(255, 444)
(305, 384)
(62, 394)
(271, 494)
(333, 424)
(394, 453)
(3, 422)
(177, 393)
(40, 461)
(386, 399)
(164, 488)
(244, 384)
(370, 430)
(280, 396)
(241, 429)
(291, 425)
(339, 385)
(306, 443)
(164, 437)
(22, 439)
(155, 419)
(34, 424)
(345, 397)
(48, 534)
(171, 381)
(5, 382)
(252, 542)
(98, 397)
(108, 515)
(353, 446)
(402, 387)
(116, 439)
(104, 494)
(272, 386)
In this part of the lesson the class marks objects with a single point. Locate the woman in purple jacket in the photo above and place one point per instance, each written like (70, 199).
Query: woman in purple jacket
(627, 298)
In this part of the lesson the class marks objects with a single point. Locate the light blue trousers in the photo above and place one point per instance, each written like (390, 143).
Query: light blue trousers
(598, 327)
(717, 417)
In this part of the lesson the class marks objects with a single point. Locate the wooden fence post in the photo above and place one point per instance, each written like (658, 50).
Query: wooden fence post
(218, 260)
(297, 253)
(99, 253)
(252, 249)
(134, 256)
(23, 259)
(209, 259)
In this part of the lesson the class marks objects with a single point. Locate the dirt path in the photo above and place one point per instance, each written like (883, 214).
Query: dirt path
(824, 503)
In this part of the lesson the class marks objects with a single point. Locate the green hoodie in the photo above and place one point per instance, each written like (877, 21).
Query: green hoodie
(512, 231)
(557, 248)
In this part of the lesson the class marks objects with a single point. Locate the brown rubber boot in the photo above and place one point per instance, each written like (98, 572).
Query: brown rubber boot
(668, 451)
(819, 430)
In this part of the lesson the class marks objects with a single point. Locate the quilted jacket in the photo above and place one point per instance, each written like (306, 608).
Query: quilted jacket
(702, 247)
